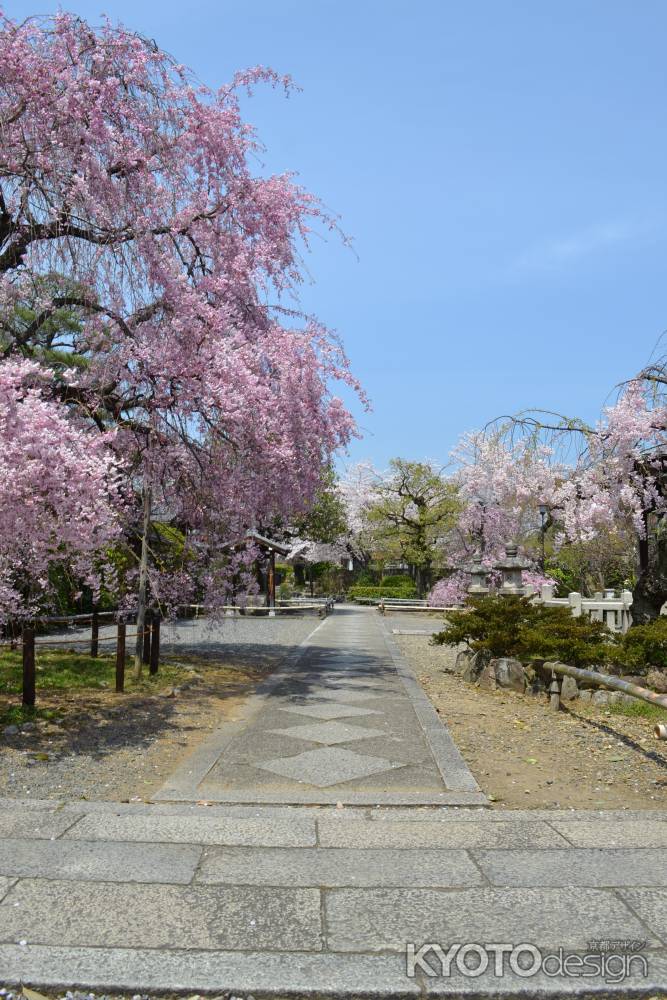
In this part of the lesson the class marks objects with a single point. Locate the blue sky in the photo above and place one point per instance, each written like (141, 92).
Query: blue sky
(501, 166)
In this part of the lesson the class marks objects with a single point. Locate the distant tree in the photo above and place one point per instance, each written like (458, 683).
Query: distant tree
(326, 521)
(410, 510)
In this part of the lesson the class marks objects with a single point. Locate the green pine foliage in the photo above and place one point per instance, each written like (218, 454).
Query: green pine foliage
(516, 627)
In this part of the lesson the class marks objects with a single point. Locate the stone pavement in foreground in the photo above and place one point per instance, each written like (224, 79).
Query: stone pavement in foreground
(306, 898)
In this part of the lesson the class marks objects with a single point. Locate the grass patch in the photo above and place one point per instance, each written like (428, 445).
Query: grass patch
(61, 670)
(639, 710)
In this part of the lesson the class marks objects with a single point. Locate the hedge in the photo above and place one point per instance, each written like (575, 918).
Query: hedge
(376, 593)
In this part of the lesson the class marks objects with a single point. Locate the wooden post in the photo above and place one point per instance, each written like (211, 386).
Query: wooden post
(28, 665)
(147, 637)
(120, 657)
(155, 642)
(142, 594)
(272, 582)
(94, 634)
(554, 694)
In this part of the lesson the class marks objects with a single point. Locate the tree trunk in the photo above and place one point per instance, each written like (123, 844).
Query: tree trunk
(650, 592)
(143, 582)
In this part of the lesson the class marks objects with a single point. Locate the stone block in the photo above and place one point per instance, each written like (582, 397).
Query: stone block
(574, 867)
(600, 698)
(34, 824)
(384, 919)
(316, 866)
(650, 905)
(233, 831)
(99, 862)
(620, 698)
(434, 833)
(645, 832)
(226, 973)
(73, 914)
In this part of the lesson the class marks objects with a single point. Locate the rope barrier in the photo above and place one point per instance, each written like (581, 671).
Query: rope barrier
(70, 619)
(75, 642)
(80, 642)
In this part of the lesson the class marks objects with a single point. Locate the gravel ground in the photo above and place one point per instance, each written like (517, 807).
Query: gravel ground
(240, 638)
(525, 756)
(123, 747)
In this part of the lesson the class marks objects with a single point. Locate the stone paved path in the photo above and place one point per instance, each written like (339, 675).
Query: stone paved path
(344, 720)
(310, 899)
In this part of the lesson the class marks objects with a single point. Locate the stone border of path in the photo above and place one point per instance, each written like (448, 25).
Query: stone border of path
(456, 774)
(184, 783)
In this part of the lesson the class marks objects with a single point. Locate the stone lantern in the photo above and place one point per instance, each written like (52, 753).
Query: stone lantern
(478, 585)
(511, 568)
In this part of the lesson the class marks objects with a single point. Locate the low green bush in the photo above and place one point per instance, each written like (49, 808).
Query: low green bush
(515, 627)
(645, 646)
(371, 593)
(398, 582)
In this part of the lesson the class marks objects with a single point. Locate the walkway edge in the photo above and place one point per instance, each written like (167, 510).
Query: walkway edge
(456, 774)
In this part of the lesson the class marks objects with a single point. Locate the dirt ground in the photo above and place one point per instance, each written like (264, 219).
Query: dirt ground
(98, 748)
(524, 755)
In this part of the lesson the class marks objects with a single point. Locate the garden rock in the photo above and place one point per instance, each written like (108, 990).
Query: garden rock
(10, 730)
(475, 666)
(487, 678)
(509, 673)
(620, 698)
(586, 696)
(657, 679)
(533, 680)
(569, 689)
(600, 698)
(462, 661)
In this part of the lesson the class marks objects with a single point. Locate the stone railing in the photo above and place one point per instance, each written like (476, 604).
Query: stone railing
(605, 606)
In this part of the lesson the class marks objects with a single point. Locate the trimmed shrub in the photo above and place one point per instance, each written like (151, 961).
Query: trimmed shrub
(376, 593)
(398, 582)
(645, 646)
(515, 627)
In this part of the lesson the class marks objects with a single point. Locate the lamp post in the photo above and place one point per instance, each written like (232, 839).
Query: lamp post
(544, 513)
(511, 568)
(478, 586)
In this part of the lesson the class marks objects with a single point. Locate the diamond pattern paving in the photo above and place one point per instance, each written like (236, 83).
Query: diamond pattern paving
(343, 696)
(329, 711)
(329, 732)
(327, 766)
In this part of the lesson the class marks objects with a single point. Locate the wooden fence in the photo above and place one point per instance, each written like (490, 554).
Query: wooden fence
(151, 636)
(30, 643)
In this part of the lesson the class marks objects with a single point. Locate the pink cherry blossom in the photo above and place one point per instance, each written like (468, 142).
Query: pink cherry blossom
(59, 491)
(127, 195)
